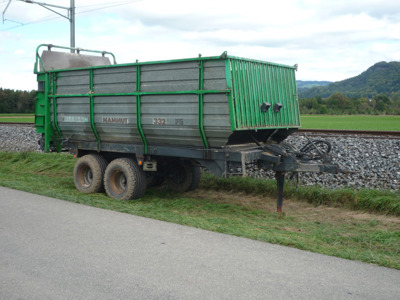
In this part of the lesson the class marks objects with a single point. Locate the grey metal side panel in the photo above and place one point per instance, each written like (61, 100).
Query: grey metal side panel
(74, 118)
(166, 119)
(216, 119)
(214, 75)
(216, 106)
(167, 77)
(171, 120)
(114, 80)
(115, 119)
(73, 82)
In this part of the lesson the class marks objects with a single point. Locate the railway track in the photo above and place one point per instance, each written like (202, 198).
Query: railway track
(364, 133)
(16, 124)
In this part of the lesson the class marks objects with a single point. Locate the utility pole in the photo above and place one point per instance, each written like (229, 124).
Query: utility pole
(72, 23)
(70, 16)
(4, 11)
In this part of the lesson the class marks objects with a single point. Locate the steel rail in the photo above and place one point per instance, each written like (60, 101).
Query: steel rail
(350, 132)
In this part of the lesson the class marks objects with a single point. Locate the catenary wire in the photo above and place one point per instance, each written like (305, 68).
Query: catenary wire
(76, 13)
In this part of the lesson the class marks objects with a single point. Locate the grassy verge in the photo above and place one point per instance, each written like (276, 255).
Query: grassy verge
(241, 207)
(354, 122)
(373, 201)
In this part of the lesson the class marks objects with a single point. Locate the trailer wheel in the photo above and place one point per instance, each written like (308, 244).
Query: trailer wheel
(124, 180)
(89, 173)
(180, 177)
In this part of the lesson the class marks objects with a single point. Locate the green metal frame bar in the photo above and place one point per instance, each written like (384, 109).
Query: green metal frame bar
(223, 56)
(197, 92)
(47, 125)
(53, 87)
(40, 112)
(201, 105)
(229, 84)
(39, 60)
(91, 99)
(139, 109)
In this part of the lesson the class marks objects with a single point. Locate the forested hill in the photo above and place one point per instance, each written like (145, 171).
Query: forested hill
(381, 78)
(304, 85)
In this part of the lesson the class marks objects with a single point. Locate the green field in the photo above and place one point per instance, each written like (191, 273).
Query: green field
(17, 118)
(351, 122)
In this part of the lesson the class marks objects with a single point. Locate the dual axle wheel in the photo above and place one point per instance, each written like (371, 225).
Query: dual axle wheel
(123, 179)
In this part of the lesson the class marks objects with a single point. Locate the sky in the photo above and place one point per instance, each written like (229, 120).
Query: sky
(329, 40)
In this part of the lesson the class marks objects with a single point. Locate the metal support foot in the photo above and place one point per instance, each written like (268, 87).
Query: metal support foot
(280, 180)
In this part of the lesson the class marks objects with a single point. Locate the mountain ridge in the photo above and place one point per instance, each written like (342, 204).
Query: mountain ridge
(381, 78)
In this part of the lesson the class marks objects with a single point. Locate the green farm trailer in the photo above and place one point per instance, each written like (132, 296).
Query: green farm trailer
(141, 124)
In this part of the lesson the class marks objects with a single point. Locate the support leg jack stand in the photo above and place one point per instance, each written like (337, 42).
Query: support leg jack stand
(280, 180)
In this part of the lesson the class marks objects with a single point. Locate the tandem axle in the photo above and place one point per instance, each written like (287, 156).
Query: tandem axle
(180, 167)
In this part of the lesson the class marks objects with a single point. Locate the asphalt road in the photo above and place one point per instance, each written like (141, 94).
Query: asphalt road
(53, 249)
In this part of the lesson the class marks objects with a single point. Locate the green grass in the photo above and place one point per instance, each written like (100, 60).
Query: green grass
(351, 122)
(373, 201)
(371, 239)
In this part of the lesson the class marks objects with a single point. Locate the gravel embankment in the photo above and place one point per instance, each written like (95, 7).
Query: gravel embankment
(18, 138)
(376, 159)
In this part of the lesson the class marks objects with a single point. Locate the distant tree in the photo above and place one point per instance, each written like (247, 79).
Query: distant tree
(380, 106)
(323, 110)
(12, 101)
(382, 98)
(339, 102)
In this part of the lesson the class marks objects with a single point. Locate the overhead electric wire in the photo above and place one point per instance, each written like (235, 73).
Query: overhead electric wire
(76, 13)
(110, 6)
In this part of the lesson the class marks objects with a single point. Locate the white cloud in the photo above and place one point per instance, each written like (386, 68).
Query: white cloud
(330, 40)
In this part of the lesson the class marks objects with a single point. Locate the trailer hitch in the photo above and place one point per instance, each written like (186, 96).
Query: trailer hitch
(313, 157)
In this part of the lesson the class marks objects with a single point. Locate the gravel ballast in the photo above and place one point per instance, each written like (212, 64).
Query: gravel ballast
(376, 159)
(375, 162)
(18, 138)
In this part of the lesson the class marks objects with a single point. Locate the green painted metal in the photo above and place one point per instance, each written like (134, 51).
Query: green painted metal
(201, 105)
(53, 78)
(91, 92)
(40, 105)
(48, 130)
(195, 92)
(39, 61)
(255, 83)
(139, 109)
(229, 78)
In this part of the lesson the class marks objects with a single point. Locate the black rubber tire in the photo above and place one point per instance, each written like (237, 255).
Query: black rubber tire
(89, 173)
(196, 176)
(124, 180)
(180, 177)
